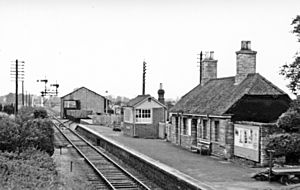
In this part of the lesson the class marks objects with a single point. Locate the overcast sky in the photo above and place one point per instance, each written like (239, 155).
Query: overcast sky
(101, 44)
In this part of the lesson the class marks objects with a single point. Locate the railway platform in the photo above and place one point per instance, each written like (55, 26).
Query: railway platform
(208, 170)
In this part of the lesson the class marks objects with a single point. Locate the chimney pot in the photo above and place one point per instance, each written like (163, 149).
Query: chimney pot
(211, 55)
(246, 45)
(245, 62)
(206, 55)
(161, 94)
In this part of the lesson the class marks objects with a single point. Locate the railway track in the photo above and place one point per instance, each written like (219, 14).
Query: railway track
(109, 174)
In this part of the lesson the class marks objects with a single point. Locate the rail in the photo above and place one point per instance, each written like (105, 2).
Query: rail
(116, 179)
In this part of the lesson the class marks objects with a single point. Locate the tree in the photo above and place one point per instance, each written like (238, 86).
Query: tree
(292, 71)
(287, 142)
(289, 121)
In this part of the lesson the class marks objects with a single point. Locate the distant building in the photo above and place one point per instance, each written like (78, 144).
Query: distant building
(84, 100)
(142, 116)
(206, 117)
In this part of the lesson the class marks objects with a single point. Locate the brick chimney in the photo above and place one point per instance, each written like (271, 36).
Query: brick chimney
(245, 62)
(161, 94)
(209, 67)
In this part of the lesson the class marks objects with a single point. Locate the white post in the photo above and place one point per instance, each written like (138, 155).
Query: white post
(106, 102)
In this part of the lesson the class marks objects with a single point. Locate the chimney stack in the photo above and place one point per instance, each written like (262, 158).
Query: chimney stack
(245, 62)
(209, 67)
(161, 94)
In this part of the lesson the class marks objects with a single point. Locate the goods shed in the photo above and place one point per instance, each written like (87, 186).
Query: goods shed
(82, 102)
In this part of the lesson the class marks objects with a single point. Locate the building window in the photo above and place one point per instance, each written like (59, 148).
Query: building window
(143, 115)
(204, 129)
(184, 126)
(71, 104)
(127, 115)
(217, 130)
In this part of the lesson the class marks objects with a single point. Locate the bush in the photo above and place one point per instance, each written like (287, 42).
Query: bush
(9, 109)
(287, 145)
(40, 113)
(19, 136)
(26, 113)
(9, 134)
(39, 133)
(31, 169)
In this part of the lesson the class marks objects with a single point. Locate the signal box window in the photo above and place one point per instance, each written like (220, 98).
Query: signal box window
(143, 116)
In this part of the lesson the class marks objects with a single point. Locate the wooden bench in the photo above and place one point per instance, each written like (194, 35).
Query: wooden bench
(202, 147)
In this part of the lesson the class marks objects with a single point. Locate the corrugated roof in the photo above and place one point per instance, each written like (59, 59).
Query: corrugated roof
(218, 95)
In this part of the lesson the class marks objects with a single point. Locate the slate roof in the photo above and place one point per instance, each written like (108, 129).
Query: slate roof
(218, 95)
(137, 100)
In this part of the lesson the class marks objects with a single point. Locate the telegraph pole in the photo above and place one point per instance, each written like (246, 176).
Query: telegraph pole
(17, 78)
(18, 72)
(144, 77)
(200, 62)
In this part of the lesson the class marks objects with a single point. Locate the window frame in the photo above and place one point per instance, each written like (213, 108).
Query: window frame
(143, 115)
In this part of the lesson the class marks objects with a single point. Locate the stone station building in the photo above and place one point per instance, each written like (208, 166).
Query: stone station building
(206, 118)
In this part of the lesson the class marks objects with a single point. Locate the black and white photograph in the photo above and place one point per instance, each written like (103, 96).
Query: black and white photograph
(150, 94)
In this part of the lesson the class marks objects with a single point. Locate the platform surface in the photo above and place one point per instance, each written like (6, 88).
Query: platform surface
(210, 170)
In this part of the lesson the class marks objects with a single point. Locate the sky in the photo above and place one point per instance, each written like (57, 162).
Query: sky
(101, 44)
